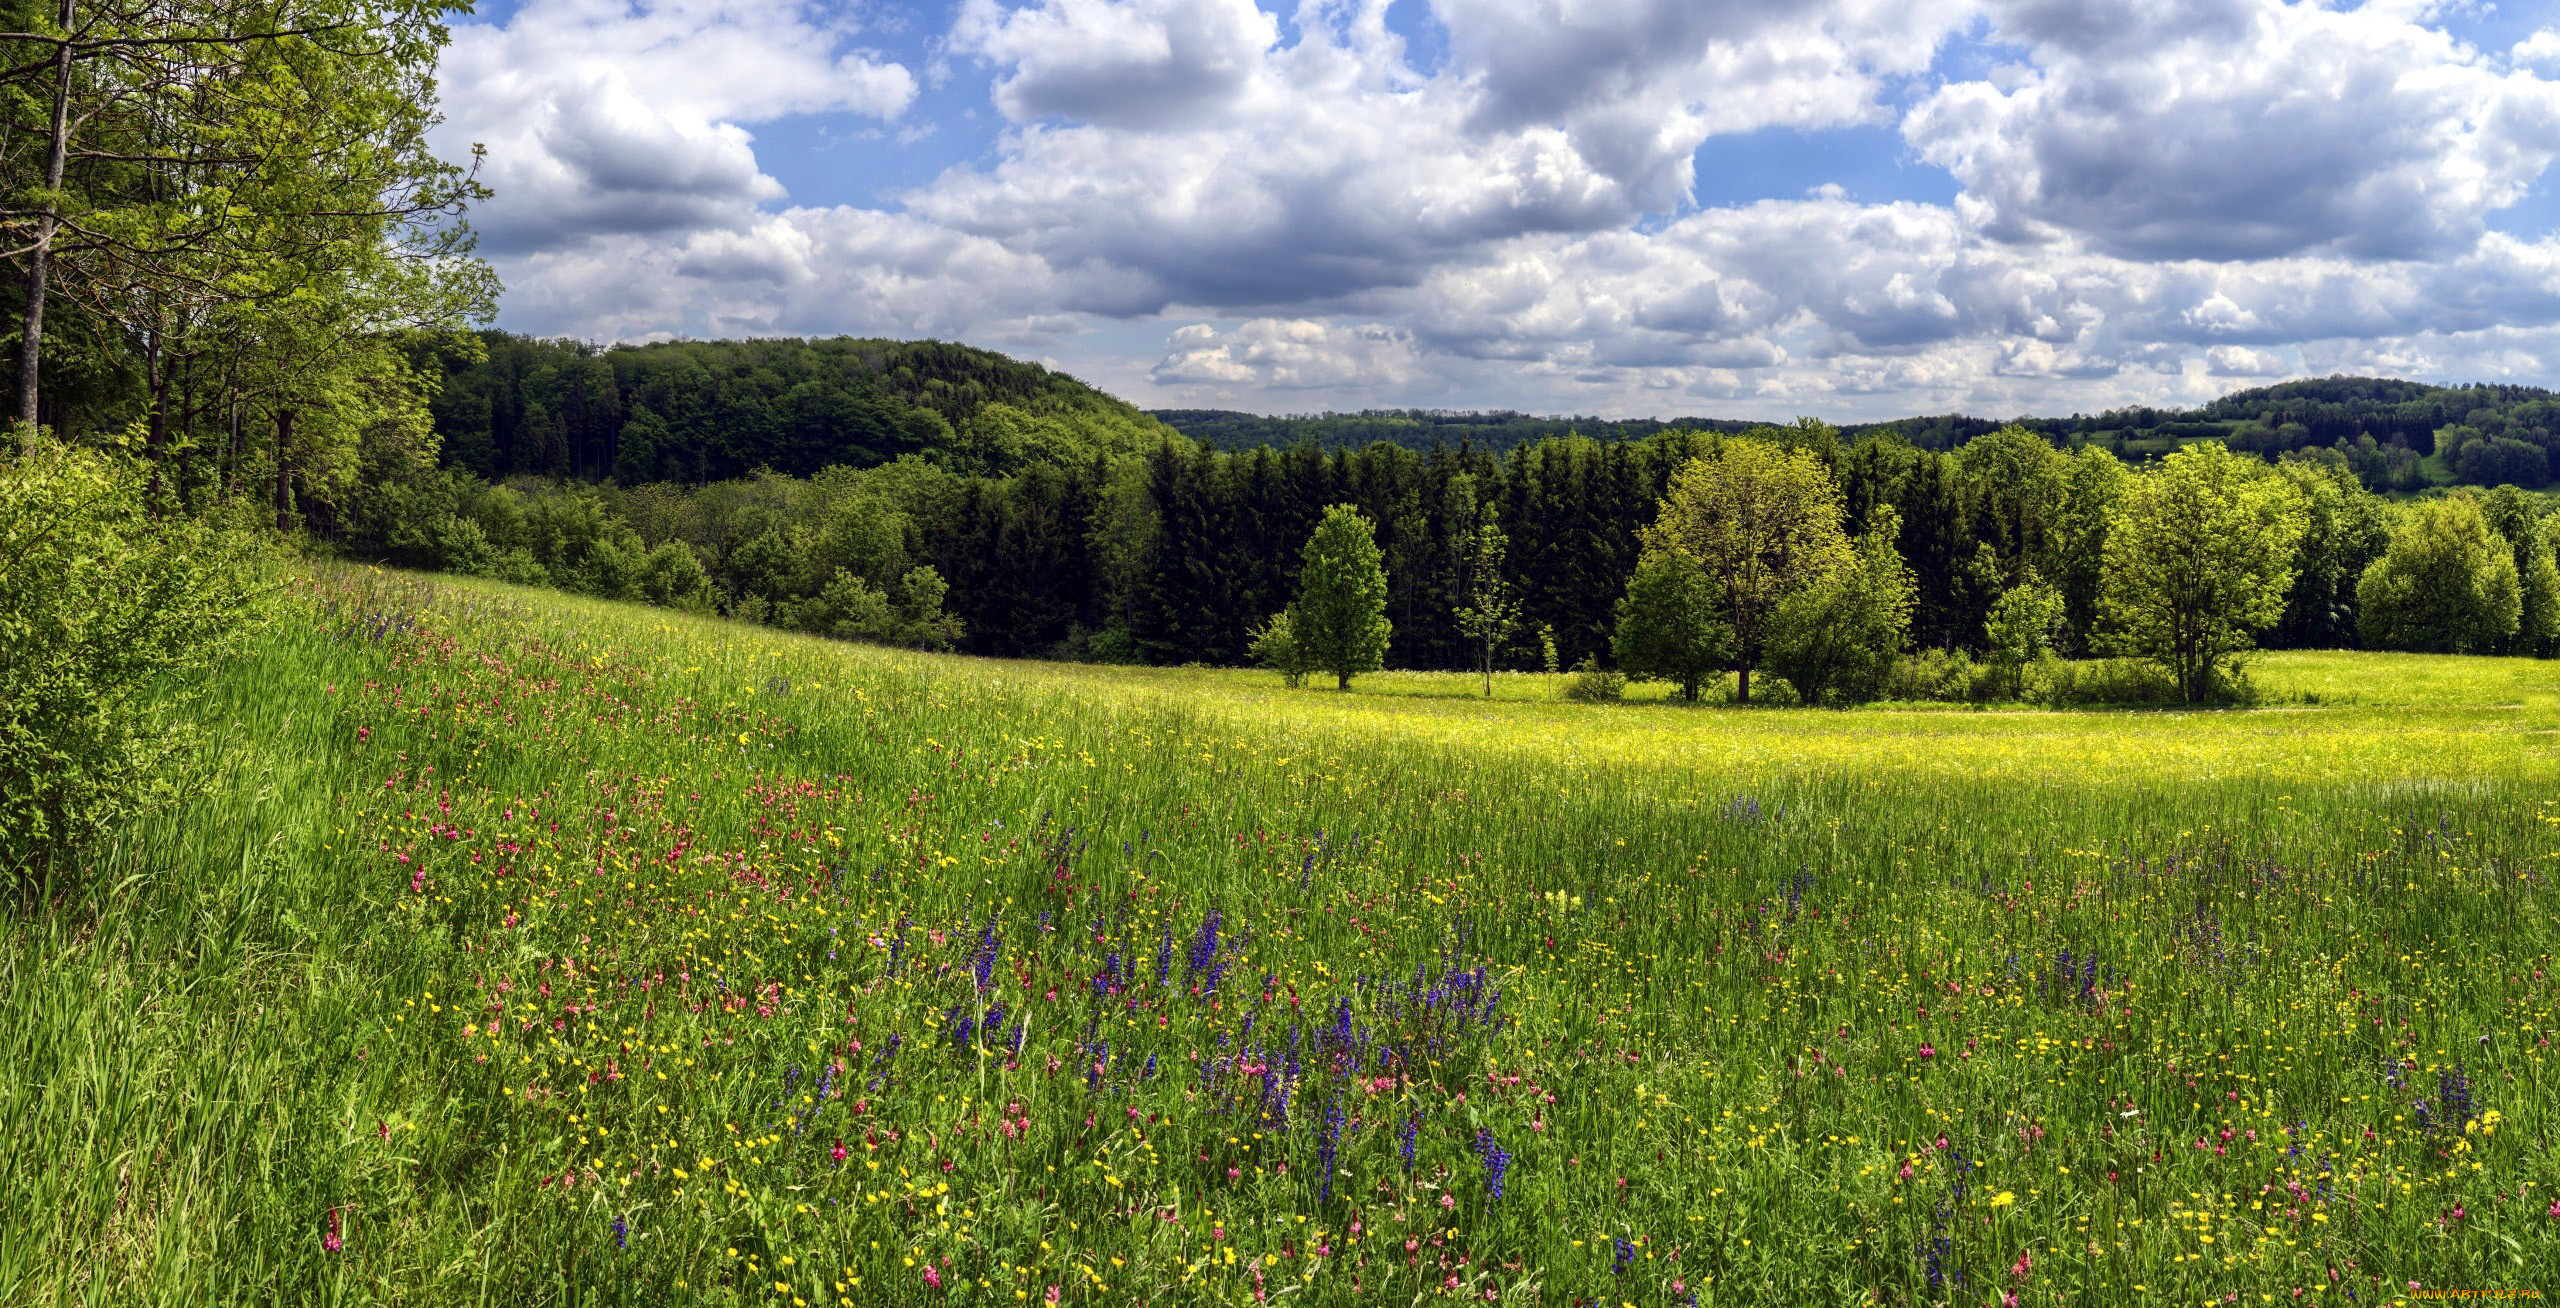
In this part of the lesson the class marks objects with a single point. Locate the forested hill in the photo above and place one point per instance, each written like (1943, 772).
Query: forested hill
(2386, 429)
(1416, 429)
(698, 411)
(695, 411)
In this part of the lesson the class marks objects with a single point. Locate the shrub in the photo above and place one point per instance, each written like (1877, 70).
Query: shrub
(1593, 684)
(1275, 645)
(672, 577)
(109, 615)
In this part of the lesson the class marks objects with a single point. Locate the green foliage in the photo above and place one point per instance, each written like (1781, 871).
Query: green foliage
(110, 615)
(1594, 684)
(2199, 558)
(1491, 610)
(1667, 625)
(2343, 533)
(1276, 646)
(2538, 584)
(2022, 626)
(1763, 522)
(672, 577)
(2446, 585)
(2521, 521)
(1341, 612)
(850, 607)
(699, 411)
(1837, 636)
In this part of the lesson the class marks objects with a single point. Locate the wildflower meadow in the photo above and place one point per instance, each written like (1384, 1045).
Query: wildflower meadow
(530, 949)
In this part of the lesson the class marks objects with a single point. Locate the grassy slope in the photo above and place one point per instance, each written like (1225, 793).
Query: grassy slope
(263, 1021)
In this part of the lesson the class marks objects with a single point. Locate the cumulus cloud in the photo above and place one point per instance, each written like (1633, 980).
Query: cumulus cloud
(602, 118)
(2157, 198)
(1289, 355)
(2240, 129)
(1132, 64)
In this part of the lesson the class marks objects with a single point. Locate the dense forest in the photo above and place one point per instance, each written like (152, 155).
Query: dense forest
(1497, 430)
(706, 410)
(2383, 429)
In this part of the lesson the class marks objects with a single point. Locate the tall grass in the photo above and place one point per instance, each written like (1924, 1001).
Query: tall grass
(537, 950)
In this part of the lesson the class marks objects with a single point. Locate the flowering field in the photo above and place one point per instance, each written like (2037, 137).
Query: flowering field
(534, 950)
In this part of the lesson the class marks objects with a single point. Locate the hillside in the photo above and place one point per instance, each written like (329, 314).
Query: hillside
(2386, 429)
(698, 411)
(538, 950)
(707, 410)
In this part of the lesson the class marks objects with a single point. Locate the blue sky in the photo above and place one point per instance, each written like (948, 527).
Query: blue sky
(1852, 208)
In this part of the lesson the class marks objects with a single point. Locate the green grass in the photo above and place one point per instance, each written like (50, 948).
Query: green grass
(1722, 939)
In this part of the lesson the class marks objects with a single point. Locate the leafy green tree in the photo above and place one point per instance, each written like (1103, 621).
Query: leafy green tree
(1667, 627)
(1764, 523)
(2199, 557)
(1275, 645)
(672, 577)
(2022, 627)
(2093, 484)
(2015, 485)
(1341, 612)
(2447, 584)
(1491, 610)
(2343, 534)
(1838, 635)
(2518, 518)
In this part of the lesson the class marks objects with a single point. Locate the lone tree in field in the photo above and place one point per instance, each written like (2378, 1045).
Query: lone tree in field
(1340, 619)
(1667, 627)
(2446, 585)
(1491, 609)
(2198, 559)
(1762, 522)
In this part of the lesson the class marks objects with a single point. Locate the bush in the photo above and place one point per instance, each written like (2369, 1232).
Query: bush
(672, 577)
(1940, 675)
(1593, 684)
(109, 616)
(1275, 645)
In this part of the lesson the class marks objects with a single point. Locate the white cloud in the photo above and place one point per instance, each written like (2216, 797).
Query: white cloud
(602, 118)
(1289, 355)
(2240, 129)
(1139, 64)
(2158, 198)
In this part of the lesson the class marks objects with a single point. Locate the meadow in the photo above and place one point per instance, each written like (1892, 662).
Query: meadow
(529, 949)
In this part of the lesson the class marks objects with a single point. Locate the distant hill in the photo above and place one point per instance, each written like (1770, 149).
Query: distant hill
(2397, 434)
(705, 410)
(1493, 430)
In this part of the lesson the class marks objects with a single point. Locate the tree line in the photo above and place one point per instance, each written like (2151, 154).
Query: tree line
(1920, 573)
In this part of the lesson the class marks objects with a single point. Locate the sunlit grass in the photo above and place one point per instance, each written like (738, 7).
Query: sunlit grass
(515, 917)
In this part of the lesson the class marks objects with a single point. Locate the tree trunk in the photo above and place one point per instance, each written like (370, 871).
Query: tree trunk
(40, 258)
(1742, 689)
(1342, 681)
(284, 470)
